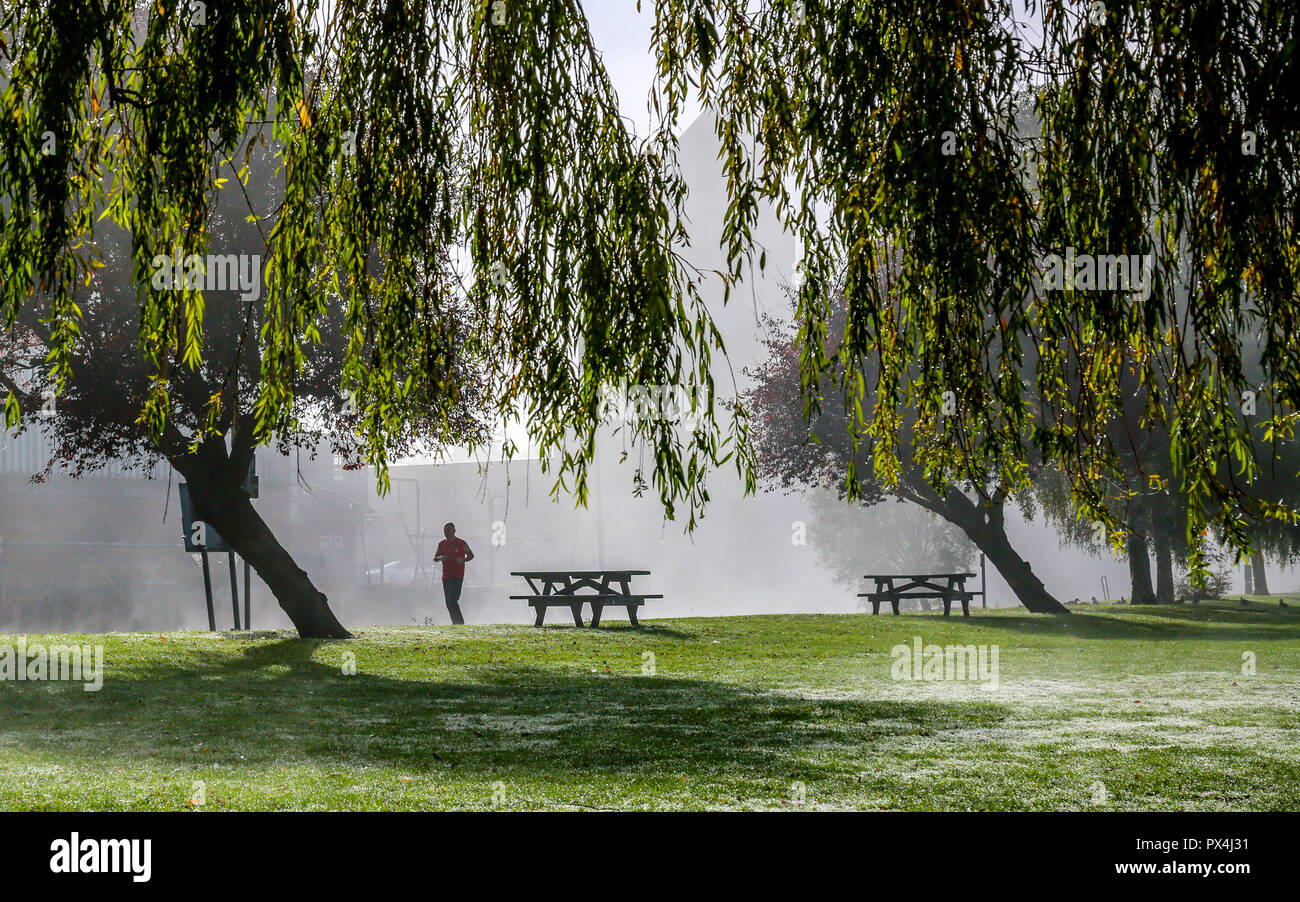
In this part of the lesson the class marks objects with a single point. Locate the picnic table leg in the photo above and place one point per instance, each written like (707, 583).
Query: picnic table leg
(577, 612)
(957, 591)
(885, 587)
(541, 614)
(596, 608)
(631, 615)
(958, 583)
(875, 607)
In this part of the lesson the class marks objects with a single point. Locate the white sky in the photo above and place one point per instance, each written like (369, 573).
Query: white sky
(622, 35)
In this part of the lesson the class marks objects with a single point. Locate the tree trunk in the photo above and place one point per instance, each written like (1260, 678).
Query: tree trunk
(1139, 569)
(985, 527)
(1015, 570)
(1261, 577)
(1164, 567)
(219, 500)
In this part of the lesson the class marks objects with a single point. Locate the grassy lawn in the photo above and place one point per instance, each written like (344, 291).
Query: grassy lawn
(1114, 708)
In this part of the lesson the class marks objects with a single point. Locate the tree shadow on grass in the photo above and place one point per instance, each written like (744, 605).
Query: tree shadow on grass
(1194, 622)
(648, 629)
(615, 627)
(279, 703)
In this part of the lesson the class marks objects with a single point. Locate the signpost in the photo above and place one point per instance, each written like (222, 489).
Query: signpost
(984, 589)
(201, 538)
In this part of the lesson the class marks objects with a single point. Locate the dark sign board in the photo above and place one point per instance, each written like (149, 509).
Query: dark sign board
(199, 536)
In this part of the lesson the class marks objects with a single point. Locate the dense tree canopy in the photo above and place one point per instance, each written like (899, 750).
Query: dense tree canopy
(97, 414)
(435, 154)
(887, 133)
(210, 433)
(445, 150)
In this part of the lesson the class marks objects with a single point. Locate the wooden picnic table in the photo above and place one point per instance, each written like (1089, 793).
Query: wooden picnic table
(894, 587)
(571, 588)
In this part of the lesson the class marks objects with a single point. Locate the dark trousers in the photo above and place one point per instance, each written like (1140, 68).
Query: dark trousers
(451, 589)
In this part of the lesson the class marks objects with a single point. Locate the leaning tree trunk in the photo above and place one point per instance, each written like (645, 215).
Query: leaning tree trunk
(1139, 569)
(216, 491)
(985, 526)
(1164, 567)
(1015, 570)
(1261, 578)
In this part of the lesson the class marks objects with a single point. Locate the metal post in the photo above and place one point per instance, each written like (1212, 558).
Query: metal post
(207, 590)
(984, 591)
(600, 517)
(248, 596)
(234, 589)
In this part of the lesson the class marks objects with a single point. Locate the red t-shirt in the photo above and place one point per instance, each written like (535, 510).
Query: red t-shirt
(453, 565)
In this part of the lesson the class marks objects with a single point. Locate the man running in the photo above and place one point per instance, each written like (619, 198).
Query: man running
(453, 553)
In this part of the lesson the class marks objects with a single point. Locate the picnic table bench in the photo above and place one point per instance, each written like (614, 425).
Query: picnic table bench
(894, 587)
(571, 588)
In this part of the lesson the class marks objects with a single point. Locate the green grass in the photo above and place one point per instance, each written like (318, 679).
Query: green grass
(1150, 703)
